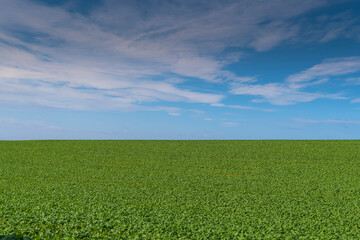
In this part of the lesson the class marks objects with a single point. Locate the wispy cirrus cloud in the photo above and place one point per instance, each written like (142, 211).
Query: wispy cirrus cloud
(293, 89)
(328, 68)
(69, 62)
(353, 81)
(278, 93)
(327, 27)
(241, 107)
(230, 124)
(26, 123)
(328, 121)
(120, 56)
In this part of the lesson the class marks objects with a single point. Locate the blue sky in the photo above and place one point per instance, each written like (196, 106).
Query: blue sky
(179, 69)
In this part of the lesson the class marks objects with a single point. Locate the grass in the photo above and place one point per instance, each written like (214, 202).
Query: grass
(180, 189)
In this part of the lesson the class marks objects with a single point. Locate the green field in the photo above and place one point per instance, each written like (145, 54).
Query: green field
(180, 189)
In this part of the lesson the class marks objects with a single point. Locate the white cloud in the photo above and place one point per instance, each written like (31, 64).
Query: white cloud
(272, 35)
(26, 123)
(119, 58)
(230, 124)
(87, 68)
(327, 27)
(84, 85)
(328, 68)
(241, 107)
(291, 91)
(279, 93)
(353, 81)
(331, 121)
(203, 68)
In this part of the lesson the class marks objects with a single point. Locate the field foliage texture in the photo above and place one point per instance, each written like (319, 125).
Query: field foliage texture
(180, 189)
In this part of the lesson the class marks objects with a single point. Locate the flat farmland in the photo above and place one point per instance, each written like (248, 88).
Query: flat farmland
(180, 189)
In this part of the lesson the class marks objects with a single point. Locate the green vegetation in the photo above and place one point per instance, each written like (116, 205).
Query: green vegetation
(180, 189)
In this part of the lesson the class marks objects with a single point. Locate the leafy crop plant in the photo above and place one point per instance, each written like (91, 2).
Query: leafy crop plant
(180, 189)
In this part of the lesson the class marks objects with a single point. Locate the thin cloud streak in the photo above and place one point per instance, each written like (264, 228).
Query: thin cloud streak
(353, 81)
(22, 123)
(230, 124)
(330, 121)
